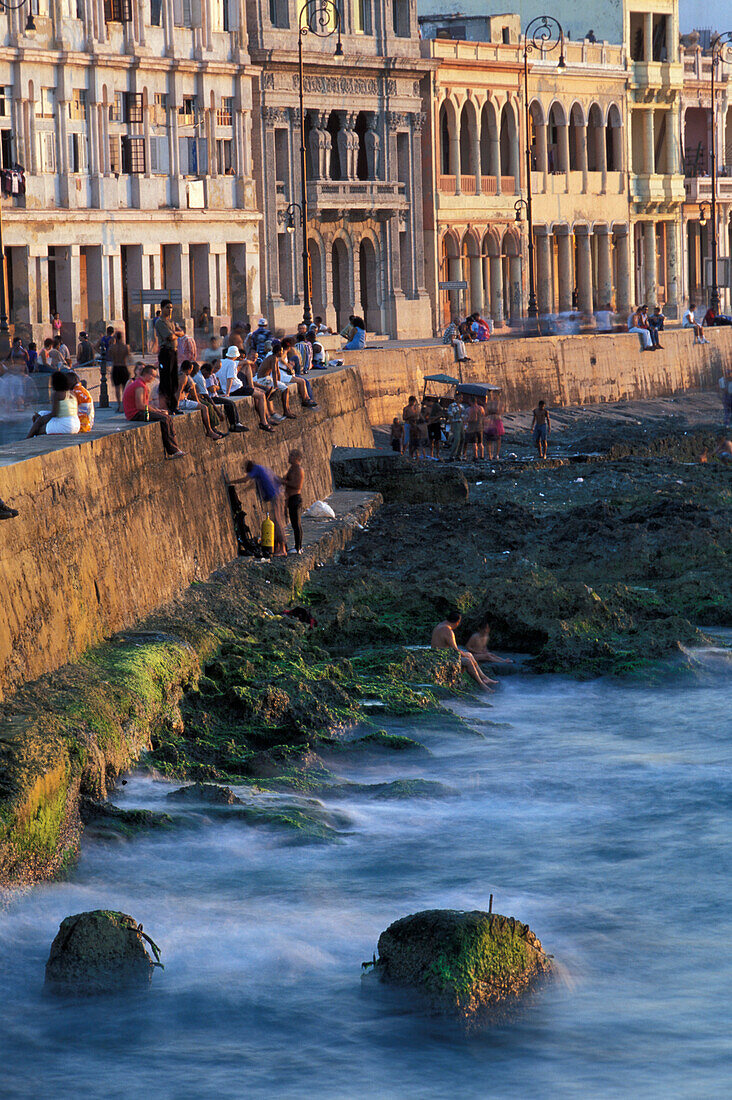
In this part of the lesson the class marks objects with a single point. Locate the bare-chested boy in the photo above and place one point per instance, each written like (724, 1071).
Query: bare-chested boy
(541, 427)
(443, 637)
(477, 644)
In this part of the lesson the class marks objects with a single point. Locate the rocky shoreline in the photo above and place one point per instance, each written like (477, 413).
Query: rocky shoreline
(605, 566)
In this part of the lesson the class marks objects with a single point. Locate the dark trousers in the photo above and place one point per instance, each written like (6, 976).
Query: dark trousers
(166, 428)
(294, 508)
(229, 409)
(168, 363)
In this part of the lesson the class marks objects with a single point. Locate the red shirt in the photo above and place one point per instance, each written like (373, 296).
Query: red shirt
(129, 404)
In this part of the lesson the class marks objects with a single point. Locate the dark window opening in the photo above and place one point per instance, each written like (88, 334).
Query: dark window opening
(133, 155)
(117, 11)
(279, 13)
(506, 36)
(156, 13)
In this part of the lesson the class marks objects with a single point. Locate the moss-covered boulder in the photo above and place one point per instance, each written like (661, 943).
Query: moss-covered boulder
(210, 793)
(475, 966)
(99, 952)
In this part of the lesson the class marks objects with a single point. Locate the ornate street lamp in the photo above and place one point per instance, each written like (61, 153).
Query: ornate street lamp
(705, 212)
(543, 34)
(323, 19)
(721, 52)
(30, 29)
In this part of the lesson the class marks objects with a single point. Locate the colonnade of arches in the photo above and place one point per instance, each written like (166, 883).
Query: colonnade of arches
(578, 267)
(345, 278)
(480, 146)
(580, 140)
(489, 261)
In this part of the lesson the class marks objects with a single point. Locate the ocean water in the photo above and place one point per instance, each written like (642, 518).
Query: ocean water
(600, 813)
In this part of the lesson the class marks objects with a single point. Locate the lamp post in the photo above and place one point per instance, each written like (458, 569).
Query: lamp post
(30, 29)
(720, 53)
(323, 19)
(544, 34)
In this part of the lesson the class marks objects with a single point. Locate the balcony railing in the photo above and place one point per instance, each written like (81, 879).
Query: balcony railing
(447, 184)
(508, 185)
(357, 194)
(700, 187)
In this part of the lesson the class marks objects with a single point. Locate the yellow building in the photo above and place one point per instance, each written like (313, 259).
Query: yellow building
(657, 181)
(475, 105)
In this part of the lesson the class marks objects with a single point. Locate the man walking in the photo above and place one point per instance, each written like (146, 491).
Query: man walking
(84, 352)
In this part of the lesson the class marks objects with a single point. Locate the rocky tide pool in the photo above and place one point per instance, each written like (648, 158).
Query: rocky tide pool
(598, 812)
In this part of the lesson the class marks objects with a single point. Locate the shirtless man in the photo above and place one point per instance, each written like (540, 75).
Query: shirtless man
(477, 644)
(541, 427)
(410, 416)
(443, 637)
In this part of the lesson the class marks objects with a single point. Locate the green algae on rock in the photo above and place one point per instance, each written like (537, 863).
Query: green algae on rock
(473, 965)
(98, 952)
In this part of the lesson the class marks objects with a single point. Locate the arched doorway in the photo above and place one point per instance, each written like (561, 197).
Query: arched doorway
(317, 280)
(450, 270)
(512, 289)
(368, 275)
(341, 282)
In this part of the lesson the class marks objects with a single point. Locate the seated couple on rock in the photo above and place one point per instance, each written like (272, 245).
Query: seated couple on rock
(443, 637)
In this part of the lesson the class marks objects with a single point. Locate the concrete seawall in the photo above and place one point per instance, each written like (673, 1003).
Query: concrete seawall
(564, 370)
(108, 530)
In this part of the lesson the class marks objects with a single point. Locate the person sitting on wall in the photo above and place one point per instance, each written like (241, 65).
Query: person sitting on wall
(655, 327)
(480, 328)
(206, 380)
(136, 405)
(63, 418)
(357, 340)
(690, 321)
(84, 401)
(711, 318)
(188, 400)
(635, 324)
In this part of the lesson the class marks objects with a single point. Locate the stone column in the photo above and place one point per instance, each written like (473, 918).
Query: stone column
(564, 149)
(673, 167)
(601, 149)
(494, 149)
(543, 276)
(672, 269)
(622, 264)
(583, 156)
(485, 263)
(496, 290)
(604, 267)
(650, 264)
(24, 291)
(270, 117)
(475, 143)
(455, 160)
(68, 284)
(649, 148)
(648, 36)
(584, 269)
(515, 289)
(95, 286)
(542, 154)
(416, 206)
(564, 251)
(476, 283)
(112, 290)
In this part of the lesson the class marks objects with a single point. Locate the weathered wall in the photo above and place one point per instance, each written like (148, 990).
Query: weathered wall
(564, 370)
(108, 529)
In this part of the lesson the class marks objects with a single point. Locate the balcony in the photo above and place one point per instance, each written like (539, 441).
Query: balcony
(657, 189)
(699, 188)
(656, 74)
(359, 195)
(447, 185)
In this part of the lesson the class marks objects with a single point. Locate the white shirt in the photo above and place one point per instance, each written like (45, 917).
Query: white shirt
(199, 382)
(227, 371)
(689, 318)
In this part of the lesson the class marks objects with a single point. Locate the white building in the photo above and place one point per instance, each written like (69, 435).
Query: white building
(132, 122)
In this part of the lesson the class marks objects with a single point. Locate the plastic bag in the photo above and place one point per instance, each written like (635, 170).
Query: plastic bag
(320, 510)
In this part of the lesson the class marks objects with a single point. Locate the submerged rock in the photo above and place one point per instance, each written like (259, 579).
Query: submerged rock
(99, 952)
(472, 965)
(211, 793)
(106, 819)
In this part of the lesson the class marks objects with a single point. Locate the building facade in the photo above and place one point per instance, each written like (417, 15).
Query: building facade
(363, 138)
(696, 122)
(131, 122)
(577, 119)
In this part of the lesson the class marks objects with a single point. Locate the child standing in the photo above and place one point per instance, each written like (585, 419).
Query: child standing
(541, 428)
(397, 435)
(294, 480)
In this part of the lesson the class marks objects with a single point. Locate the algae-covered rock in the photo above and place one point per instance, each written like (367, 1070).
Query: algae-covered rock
(475, 965)
(210, 793)
(109, 820)
(99, 952)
